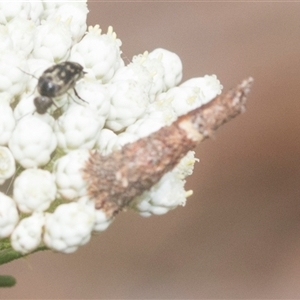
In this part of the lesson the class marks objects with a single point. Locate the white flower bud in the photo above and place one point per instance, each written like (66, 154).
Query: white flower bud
(34, 190)
(106, 141)
(75, 13)
(32, 142)
(68, 174)
(150, 123)
(7, 122)
(9, 215)
(172, 66)
(128, 103)
(96, 95)
(102, 221)
(7, 164)
(36, 11)
(136, 72)
(69, 227)
(192, 94)
(169, 192)
(124, 138)
(144, 127)
(52, 41)
(99, 53)
(155, 68)
(12, 78)
(27, 236)
(50, 7)
(184, 99)
(78, 128)
(209, 85)
(21, 32)
(19, 9)
(164, 196)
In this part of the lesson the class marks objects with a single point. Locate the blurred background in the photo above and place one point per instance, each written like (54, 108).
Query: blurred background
(239, 234)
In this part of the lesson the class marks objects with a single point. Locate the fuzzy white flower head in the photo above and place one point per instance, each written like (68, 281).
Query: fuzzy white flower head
(12, 78)
(102, 221)
(129, 102)
(169, 192)
(135, 72)
(21, 32)
(156, 70)
(172, 66)
(158, 115)
(209, 85)
(164, 196)
(100, 54)
(145, 126)
(34, 190)
(7, 164)
(78, 128)
(75, 13)
(36, 11)
(106, 141)
(97, 95)
(68, 174)
(52, 41)
(27, 236)
(69, 227)
(191, 94)
(17, 10)
(32, 142)
(9, 216)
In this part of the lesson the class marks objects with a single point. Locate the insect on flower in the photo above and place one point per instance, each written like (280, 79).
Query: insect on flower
(55, 81)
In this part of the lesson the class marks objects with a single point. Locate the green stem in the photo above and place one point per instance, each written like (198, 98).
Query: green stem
(7, 253)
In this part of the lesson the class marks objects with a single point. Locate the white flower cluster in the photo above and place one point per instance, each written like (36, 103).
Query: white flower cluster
(42, 154)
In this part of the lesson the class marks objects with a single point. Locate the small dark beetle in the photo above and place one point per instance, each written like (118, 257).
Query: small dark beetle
(55, 81)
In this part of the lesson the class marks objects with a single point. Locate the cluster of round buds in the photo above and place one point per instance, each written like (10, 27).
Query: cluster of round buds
(66, 94)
